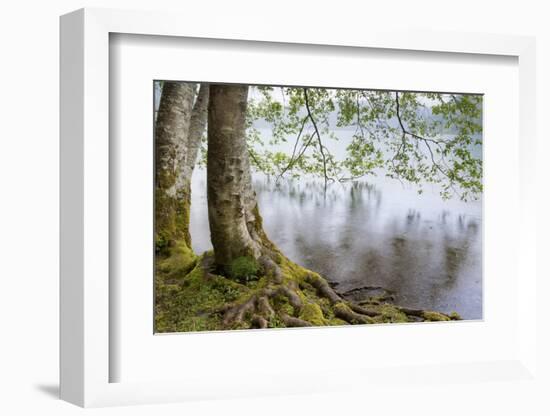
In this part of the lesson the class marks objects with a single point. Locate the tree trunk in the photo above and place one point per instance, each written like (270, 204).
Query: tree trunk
(197, 127)
(235, 224)
(236, 229)
(171, 143)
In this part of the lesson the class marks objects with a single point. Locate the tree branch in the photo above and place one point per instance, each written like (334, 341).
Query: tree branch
(318, 136)
(300, 153)
(425, 140)
(253, 157)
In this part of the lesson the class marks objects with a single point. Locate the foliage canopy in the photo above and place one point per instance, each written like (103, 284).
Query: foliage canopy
(419, 138)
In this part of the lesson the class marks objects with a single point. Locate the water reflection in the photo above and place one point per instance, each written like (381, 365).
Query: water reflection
(377, 233)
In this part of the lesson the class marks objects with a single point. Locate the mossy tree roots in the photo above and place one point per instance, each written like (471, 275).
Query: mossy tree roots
(297, 297)
(283, 295)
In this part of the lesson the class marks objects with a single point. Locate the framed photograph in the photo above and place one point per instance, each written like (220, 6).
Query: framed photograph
(286, 213)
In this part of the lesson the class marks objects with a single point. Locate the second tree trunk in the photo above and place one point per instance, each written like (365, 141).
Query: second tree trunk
(235, 224)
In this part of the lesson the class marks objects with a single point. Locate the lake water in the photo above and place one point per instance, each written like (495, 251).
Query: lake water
(371, 233)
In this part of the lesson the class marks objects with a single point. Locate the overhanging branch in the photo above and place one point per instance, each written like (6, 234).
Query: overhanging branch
(321, 147)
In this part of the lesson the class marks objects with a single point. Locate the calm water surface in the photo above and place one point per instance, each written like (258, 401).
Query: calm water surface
(371, 233)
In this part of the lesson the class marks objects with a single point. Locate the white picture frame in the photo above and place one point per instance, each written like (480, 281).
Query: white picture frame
(85, 265)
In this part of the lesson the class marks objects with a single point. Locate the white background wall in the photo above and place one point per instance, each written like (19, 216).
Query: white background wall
(29, 56)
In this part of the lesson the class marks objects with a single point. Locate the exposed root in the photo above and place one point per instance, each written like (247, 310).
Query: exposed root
(361, 310)
(366, 288)
(372, 293)
(292, 297)
(345, 312)
(343, 309)
(412, 312)
(259, 305)
(259, 322)
(265, 308)
(271, 269)
(323, 288)
(237, 313)
(291, 321)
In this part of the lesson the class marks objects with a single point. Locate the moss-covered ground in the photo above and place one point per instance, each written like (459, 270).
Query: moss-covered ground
(191, 296)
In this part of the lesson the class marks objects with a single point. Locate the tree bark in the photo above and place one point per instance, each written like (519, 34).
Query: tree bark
(171, 144)
(197, 127)
(235, 224)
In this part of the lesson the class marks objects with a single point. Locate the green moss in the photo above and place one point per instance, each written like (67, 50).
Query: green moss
(259, 228)
(337, 322)
(172, 213)
(390, 314)
(257, 284)
(435, 316)
(312, 313)
(244, 269)
(276, 322)
(292, 272)
(281, 304)
(179, 262)
(455, 316)
(183, 214)
(194, 303)
(161, 244)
